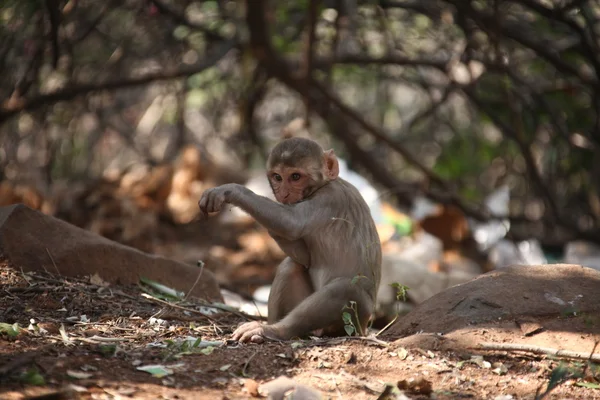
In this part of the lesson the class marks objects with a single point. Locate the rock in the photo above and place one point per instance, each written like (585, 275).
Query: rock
(506, 253)
(423, 248)
(285, 388)
(422, 282)
(32, 241)
(583, 253)
(506, 294)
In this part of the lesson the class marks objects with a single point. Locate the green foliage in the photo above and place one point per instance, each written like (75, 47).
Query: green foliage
(565, 372)
(350, 318)
(180, 348)
(348, 324)
(108, 350)
(11, 330)
(466, 155)
(401, 291)
(561, 374)
(32, 377)
(588, 385)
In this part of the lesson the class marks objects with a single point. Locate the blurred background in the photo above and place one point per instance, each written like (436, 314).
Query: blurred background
(472, 127)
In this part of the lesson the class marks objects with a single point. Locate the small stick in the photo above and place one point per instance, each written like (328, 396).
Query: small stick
(248, 363)
(387, 326)
(541, 350)
(53, 263)
(336, 340)
(201, 263)
(166, 303)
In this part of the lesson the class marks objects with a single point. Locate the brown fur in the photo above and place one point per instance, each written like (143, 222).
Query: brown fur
(326, 230)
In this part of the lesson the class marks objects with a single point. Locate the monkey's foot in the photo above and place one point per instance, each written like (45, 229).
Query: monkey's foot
(255, 332)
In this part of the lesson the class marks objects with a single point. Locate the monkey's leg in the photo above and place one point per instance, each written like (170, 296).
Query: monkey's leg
(321, 310)
(291, 285)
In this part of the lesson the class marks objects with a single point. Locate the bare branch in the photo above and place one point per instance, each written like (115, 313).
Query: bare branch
(182, 19)
(309, 51)
(8, 109)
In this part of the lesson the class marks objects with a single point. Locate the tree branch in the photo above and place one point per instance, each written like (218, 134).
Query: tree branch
(9, 109)
(309, 51)
(182, 19)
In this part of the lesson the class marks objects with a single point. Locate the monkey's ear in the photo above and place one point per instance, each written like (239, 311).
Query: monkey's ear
(332, 166)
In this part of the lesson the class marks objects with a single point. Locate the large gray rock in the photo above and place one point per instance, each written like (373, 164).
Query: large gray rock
(583, 253)
(422, 282)
(32, 241)
(507, 294)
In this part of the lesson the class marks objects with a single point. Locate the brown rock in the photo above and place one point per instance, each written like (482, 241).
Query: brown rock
(507, 294)
(37, 242)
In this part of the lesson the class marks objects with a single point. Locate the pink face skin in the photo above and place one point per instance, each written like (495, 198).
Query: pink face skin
(289, 184)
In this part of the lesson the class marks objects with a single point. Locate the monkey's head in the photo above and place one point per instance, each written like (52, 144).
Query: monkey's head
(297, 167)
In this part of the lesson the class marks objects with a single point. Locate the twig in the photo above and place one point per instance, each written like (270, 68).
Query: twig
(541, 350)
(248, 363)
(201, 263)
(53, 263)
(177, 306)
(206, 304)
(336, 340)
(387, 326)
(241, 314)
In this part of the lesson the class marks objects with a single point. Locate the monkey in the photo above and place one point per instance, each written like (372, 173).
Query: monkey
(325, 228)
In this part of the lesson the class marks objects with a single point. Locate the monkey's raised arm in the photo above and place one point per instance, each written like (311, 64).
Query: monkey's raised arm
(289, 221)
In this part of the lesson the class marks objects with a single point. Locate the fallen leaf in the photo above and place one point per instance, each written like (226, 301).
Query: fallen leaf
(158, 371)
(78, 374)
(225, 367)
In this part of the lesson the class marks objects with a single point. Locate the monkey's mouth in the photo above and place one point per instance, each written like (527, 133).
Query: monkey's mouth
(291, 200)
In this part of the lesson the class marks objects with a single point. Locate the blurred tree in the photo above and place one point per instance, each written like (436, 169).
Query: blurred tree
(446, 98)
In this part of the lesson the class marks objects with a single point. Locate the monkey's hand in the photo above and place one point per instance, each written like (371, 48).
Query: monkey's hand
(213, 199)
(256, 332)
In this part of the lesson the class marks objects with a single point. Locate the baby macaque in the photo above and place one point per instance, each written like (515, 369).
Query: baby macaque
(325, 228)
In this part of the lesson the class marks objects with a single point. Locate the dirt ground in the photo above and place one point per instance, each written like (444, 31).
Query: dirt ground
(84, 340)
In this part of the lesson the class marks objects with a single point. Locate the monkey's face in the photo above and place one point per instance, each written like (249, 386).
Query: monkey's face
(290, 185)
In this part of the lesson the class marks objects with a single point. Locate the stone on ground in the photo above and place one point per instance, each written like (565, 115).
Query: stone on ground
(508, 294)
(32, 241)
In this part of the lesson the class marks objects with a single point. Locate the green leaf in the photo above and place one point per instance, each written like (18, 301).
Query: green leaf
(347, 318)
(559, 375)
(349, 330)
(588, 385)
(11, 330)
(157, 371)
(33, 377)
(207, 350)
(107, 350)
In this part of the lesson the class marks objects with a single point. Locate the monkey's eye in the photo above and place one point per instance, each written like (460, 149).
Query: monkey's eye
(277, 177)
(295, 176)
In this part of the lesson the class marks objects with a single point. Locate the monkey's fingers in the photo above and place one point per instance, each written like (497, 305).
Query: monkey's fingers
(246, 331)
(202, 203)
(215, 203)
(254, 335)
